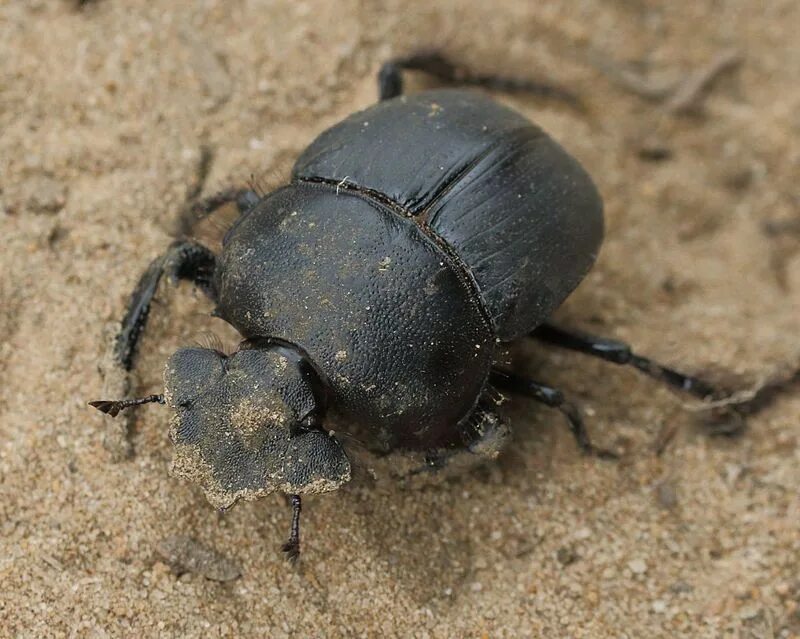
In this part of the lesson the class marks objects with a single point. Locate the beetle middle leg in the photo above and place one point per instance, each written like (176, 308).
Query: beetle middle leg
(390, 78)
(555, 399)
(620, 353)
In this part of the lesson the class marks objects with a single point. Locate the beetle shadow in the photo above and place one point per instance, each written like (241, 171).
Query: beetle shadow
(437, 539)
(420, 537)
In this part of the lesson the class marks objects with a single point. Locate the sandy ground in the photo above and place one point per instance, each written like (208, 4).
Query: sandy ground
(103, 115)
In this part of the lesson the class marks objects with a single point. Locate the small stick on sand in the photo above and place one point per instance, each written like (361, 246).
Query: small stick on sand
(632, 81)
(689, 94)
(681, 97)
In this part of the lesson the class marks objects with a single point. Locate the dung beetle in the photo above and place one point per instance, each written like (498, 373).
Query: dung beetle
(374, 292)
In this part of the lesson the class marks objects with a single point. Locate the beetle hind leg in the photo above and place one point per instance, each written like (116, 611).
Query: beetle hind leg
(435, 64)
(621, 354)
(554, 398)
(483, 435)
(725, 420)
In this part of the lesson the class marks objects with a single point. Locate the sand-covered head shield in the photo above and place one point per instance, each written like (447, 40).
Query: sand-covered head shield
(241, 425)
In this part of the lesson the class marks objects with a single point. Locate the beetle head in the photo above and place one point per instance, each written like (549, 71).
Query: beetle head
(244, 425)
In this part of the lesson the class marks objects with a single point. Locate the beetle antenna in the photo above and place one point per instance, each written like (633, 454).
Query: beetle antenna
(113, 407)
(292, 547)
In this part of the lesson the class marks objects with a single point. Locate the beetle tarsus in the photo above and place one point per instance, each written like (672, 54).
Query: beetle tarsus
(620, 353)
(578, 428)
(114, 407)
(292, 547)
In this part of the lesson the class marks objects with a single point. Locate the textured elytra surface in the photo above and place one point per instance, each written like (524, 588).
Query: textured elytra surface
(113, 105)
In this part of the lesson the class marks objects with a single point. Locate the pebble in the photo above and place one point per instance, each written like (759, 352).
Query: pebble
(566, 556)
(681, 586)
(184, 554)
(666, 494)
(44, 195)
(749, 612)
(637, 566)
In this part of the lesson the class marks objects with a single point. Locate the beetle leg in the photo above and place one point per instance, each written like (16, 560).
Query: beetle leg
(390, 78)
(555, 399)
(620, 353)
(292, 546)
(183, 260)
(485, 433)
(113, 407)
(483, 436)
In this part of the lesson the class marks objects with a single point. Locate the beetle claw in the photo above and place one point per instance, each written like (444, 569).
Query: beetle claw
(113, 407)
(292, 550)
(108, 407)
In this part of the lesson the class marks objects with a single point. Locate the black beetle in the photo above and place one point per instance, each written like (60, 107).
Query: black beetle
(373, 292)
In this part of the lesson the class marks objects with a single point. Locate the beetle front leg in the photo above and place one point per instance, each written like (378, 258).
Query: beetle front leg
(554, 398)
(390, 78)
(292, 546)
(620, 353)
(183, 260)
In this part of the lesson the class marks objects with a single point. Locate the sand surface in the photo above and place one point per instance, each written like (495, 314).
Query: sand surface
(103, 115)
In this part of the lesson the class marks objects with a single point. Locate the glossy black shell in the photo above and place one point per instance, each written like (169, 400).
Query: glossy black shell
(519, 211)
(414, 236)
